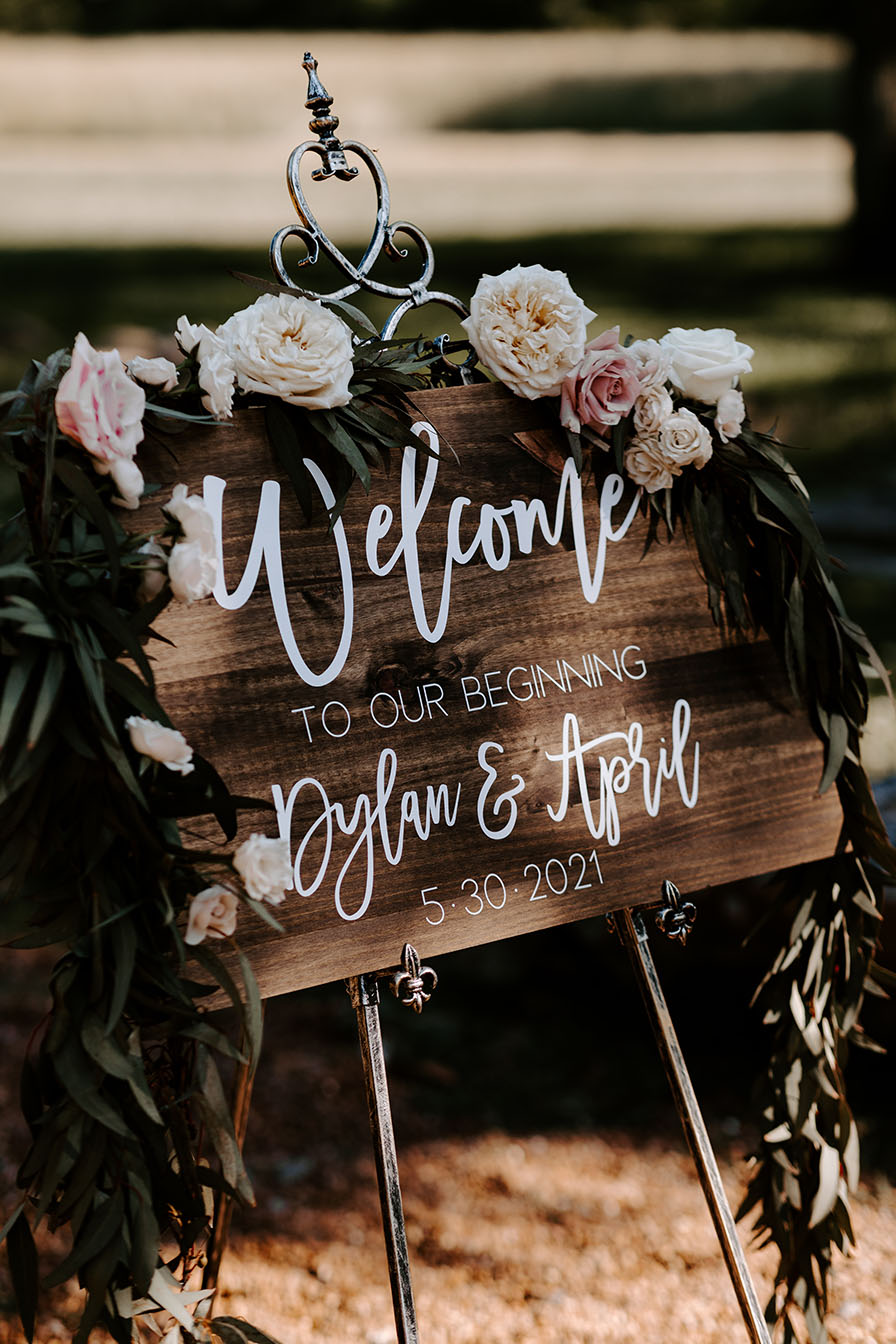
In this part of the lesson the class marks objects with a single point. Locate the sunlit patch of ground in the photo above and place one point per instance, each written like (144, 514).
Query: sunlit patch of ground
(582, 1239)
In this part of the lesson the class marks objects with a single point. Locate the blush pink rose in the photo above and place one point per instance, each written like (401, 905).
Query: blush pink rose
(603, 388)
(99, 406)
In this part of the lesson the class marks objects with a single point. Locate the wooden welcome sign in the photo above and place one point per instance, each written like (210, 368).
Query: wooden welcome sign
(478, 707)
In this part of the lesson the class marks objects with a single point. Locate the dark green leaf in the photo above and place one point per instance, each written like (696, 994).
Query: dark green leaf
(22, 1255)
(240, 1327)
(96, 1233)
(75, 480)
(838, 740)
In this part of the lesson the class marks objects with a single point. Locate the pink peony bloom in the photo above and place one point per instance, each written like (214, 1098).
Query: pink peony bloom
(603, 388)
(99, 406)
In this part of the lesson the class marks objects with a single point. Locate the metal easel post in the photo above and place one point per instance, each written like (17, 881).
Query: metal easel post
(364, 993)
(633, 933)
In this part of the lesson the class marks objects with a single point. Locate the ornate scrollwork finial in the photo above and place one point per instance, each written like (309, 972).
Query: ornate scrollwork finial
(332, 151)
(414, 984)
(323, 123)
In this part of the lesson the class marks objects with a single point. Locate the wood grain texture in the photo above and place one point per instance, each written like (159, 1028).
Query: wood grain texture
(647, 643)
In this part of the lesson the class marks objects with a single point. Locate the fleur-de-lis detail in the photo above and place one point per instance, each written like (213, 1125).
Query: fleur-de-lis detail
(414, 984)
(676, 917)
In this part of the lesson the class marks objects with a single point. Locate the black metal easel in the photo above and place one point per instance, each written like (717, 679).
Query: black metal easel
(412, 983)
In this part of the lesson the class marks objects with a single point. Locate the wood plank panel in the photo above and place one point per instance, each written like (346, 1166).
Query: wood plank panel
(524, 664)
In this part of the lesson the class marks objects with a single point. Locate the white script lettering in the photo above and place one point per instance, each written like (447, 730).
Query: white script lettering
(492, 540)
(615, 773)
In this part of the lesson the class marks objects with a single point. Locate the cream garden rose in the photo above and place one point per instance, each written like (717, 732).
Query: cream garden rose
(291, 348)
(684, 441)
(212, 915)
(704, 364)
(99, 406)
(655, 457)
(528, 326)
(160, 743)
(652, 408)
(263, 864)
(652, 360)
(646, 464)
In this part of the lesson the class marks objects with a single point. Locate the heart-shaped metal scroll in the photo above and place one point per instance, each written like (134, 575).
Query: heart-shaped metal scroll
(332, 153)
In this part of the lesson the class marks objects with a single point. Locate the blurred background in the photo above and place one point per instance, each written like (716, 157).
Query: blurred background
(706, 162)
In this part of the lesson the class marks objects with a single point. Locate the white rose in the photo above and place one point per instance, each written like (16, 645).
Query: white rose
(152, 579)
(653, 362)
(704, 364)
(153, 372)
(264, 866)
(528, 326)
(652, 408)
(646, 464)
(684, 441)
(160, 743)
(192, 571)
(216, 371)
(291, 348)
(194, 518)
(128, 479)
(730, 413)
(212, 915)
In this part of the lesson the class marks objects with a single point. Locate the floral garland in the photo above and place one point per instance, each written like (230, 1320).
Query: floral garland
(121, 1089)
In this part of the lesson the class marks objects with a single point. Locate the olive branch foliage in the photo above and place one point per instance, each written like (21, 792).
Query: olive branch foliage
(131, 1134)
(767, 570)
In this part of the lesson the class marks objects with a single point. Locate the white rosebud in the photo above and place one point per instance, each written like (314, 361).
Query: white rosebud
(685, 441)
(730, 413)
(159, 372)
(528, 326)
(653, 362)
(646, 465)
(128, 479)
(216, 370)
(292, 348)
(192, 571)
(160, 743)
(263, 864)
(651, 409)
(704, 364)
(153, 576)
(194, 518)
(212, 915)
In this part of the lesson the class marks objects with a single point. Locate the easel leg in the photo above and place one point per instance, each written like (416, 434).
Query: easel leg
(365, 999)
(632, 931)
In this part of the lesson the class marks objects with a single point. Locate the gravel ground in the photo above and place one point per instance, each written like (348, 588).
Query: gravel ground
(520, 1231)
